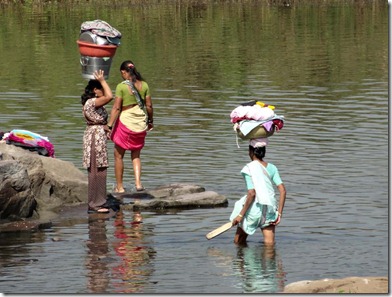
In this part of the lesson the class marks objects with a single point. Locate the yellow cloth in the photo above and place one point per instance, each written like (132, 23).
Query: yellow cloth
(134, 119)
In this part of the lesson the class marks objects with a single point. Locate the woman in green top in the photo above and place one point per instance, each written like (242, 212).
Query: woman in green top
(129, 121)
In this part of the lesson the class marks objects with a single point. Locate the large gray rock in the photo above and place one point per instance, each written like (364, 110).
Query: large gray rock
(16, 198)
(30, 182)
(36, 187)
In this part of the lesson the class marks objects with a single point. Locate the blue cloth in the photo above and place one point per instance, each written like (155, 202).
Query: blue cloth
(262, 183)
(254, 217)
(263, 210)
(272, 171)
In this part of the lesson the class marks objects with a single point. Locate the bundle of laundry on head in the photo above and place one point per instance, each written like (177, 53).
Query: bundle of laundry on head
(256, 120)
(101, 32)
(30, 141)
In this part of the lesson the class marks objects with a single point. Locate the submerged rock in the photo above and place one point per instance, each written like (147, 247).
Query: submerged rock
(171, 196)
(350, 285)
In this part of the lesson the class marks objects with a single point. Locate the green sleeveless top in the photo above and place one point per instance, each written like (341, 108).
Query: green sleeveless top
(123, 91)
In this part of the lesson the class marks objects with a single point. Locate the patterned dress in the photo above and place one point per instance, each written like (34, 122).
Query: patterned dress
(95, 135)
(95, 155)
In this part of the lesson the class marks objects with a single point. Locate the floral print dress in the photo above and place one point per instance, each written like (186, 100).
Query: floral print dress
(95, 136)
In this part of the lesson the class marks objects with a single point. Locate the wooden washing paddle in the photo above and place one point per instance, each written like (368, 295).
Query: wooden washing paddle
(219, 230)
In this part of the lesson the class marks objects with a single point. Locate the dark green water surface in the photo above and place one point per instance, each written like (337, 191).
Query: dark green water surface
(322, 64)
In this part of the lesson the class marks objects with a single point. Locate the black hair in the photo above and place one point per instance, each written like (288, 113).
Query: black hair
(259, 152)
(89, 90)
(129, 67)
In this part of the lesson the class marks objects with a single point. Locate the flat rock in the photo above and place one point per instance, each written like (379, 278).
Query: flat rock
(171, 196)
(369, 285)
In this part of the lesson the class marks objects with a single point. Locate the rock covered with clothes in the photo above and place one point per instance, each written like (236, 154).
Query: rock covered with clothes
(30, 141)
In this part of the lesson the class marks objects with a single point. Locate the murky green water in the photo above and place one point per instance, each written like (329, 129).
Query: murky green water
(324, 67)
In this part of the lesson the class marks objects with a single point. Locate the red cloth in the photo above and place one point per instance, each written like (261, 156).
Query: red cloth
(126, 138)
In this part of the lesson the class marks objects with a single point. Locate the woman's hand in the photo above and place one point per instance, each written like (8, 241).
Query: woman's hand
(277, 220)
(107, 131)
(237, 220)
(98, 74)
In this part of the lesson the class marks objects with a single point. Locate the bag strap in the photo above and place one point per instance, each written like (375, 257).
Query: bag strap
(136, 93)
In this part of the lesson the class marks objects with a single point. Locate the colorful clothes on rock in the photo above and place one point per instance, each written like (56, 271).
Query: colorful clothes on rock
(31, 141)
(96, 118)
(263, 210)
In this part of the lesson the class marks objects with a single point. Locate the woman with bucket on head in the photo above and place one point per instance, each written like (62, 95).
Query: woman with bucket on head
(130, 119)
(259, 208)
(95, 157)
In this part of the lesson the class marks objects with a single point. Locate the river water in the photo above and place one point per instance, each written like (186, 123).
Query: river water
(324, 66)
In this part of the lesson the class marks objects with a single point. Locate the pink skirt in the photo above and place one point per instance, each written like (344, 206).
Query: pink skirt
(126, 138)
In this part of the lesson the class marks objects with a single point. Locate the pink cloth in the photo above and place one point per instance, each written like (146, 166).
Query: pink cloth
(126, 138)
(255, 112)
(258, 142)
(28, 139)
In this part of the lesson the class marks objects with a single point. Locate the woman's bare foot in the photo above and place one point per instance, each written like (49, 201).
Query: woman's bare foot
(121, 190)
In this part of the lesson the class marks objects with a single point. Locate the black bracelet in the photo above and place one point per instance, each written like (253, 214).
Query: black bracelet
(110, 127)
(150, 121)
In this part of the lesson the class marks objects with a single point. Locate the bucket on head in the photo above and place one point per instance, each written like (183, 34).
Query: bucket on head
(92, 64)
(90, 37)
(96, 52)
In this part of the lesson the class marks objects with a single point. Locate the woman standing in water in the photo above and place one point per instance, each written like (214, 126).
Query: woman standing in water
(131, 117)
(95, 157)
(259, 208)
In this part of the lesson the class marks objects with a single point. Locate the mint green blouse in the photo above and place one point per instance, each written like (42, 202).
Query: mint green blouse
(272, 171)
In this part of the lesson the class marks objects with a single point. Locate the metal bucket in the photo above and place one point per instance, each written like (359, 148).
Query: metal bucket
(96, 53)
(91, 64)
(93, 38)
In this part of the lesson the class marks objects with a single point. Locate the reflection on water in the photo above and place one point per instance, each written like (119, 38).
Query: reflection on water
(131, 272)
(98, 275)
(259, 267)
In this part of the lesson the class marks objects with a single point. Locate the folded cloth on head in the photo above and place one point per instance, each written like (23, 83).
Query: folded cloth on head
(258, 142)
(255, 112)
(100, 28)
(246, 126)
